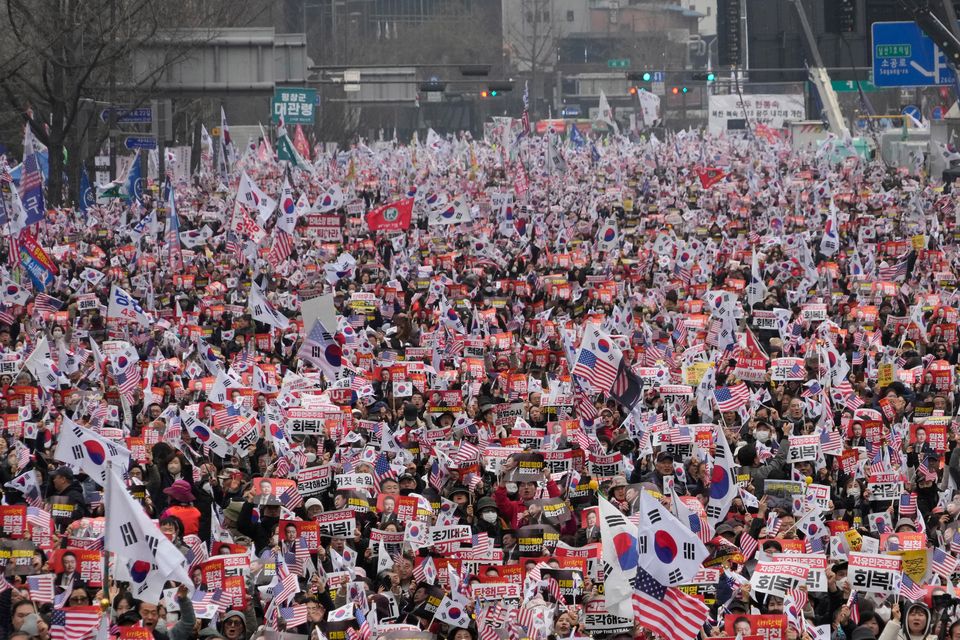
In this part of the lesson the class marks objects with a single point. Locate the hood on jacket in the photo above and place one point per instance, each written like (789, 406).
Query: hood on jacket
(906, 621)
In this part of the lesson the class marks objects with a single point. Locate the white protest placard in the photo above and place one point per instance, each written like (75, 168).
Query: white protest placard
(448, 535)
(363, 481)
(337, 524)
(776, 578)
(803, 449)
(873, 573)
(816, 562)
(764, 320)
(813, 312)
(784, 369)
(884, 486)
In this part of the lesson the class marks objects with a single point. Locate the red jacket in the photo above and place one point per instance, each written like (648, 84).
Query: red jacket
(510, 509)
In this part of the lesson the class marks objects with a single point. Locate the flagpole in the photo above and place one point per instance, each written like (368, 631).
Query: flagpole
(105, 603)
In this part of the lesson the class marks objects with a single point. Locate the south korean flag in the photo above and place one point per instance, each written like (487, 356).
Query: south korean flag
(669, 551)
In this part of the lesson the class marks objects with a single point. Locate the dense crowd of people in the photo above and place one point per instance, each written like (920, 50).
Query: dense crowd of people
(527, 387)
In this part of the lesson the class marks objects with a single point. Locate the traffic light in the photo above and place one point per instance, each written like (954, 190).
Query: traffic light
(484, 94)
(433, 85)
(704, 76)
(633, 91)
(678, 90)
(496, 88)
(844, 16)
(728, 33)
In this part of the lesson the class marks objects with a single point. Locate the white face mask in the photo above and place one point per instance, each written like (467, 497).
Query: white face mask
(762, 436)
(511, 487)
(853, 492)
(489, 516)
(311, 458)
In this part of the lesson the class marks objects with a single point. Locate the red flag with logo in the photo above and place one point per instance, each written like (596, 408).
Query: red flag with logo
(711, 176)
(394, 216)
(300, 143)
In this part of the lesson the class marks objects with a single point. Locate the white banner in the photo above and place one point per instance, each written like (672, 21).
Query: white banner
(763, 108)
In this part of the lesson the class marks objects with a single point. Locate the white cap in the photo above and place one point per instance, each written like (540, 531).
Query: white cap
(312, 502)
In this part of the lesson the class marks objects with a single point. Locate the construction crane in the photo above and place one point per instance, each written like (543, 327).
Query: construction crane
(821, 79)
(942, 35)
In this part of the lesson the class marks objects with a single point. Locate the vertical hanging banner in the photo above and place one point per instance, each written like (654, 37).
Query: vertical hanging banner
(36, 262)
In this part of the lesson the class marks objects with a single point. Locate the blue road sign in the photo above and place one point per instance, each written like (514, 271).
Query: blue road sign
(903, 56)
(143, 115)
(140, 142)
(936, 113)
(658, 76)
(913, 111)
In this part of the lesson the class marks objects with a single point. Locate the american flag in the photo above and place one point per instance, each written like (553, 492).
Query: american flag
(585, 409)
(667, 611)
(382, 469)
(955, 542)
(553, 589)
(281, 249)
(943, 563)
(894, 272)
(811, 390)
(438, 475)
(854, 604)
(290, 497)
(910, 589)
(74, 623)
(854, 402)
(128, 379)
(599, 373)
(700, 526)
(748, 545)
(244, 360)
(680, 333)
(41, 587)
(226, 418)
(301, 556)
(732, 398)
(294, 615)
(773, 525)
(813, 545)
(196, 550)
(47, 304)
(282, 467)
(831, 439)
(487, 632)
(924, 470)
(908, 504)
(6, 316)
(481, 543)
(799, 597)
(39, 519)
(363, 633)
(287, 584)
(466, 453)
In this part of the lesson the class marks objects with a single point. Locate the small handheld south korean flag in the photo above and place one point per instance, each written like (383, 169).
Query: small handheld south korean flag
(402, 388)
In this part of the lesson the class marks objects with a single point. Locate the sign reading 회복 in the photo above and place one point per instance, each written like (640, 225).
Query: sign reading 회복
(771, 110)
(295, 104)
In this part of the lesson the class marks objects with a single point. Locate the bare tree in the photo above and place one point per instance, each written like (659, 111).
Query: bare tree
(531, 41)
(65, 56)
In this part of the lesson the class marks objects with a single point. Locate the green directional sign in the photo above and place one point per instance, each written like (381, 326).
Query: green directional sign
(619, 63)
(847, 86)
(295, 104)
